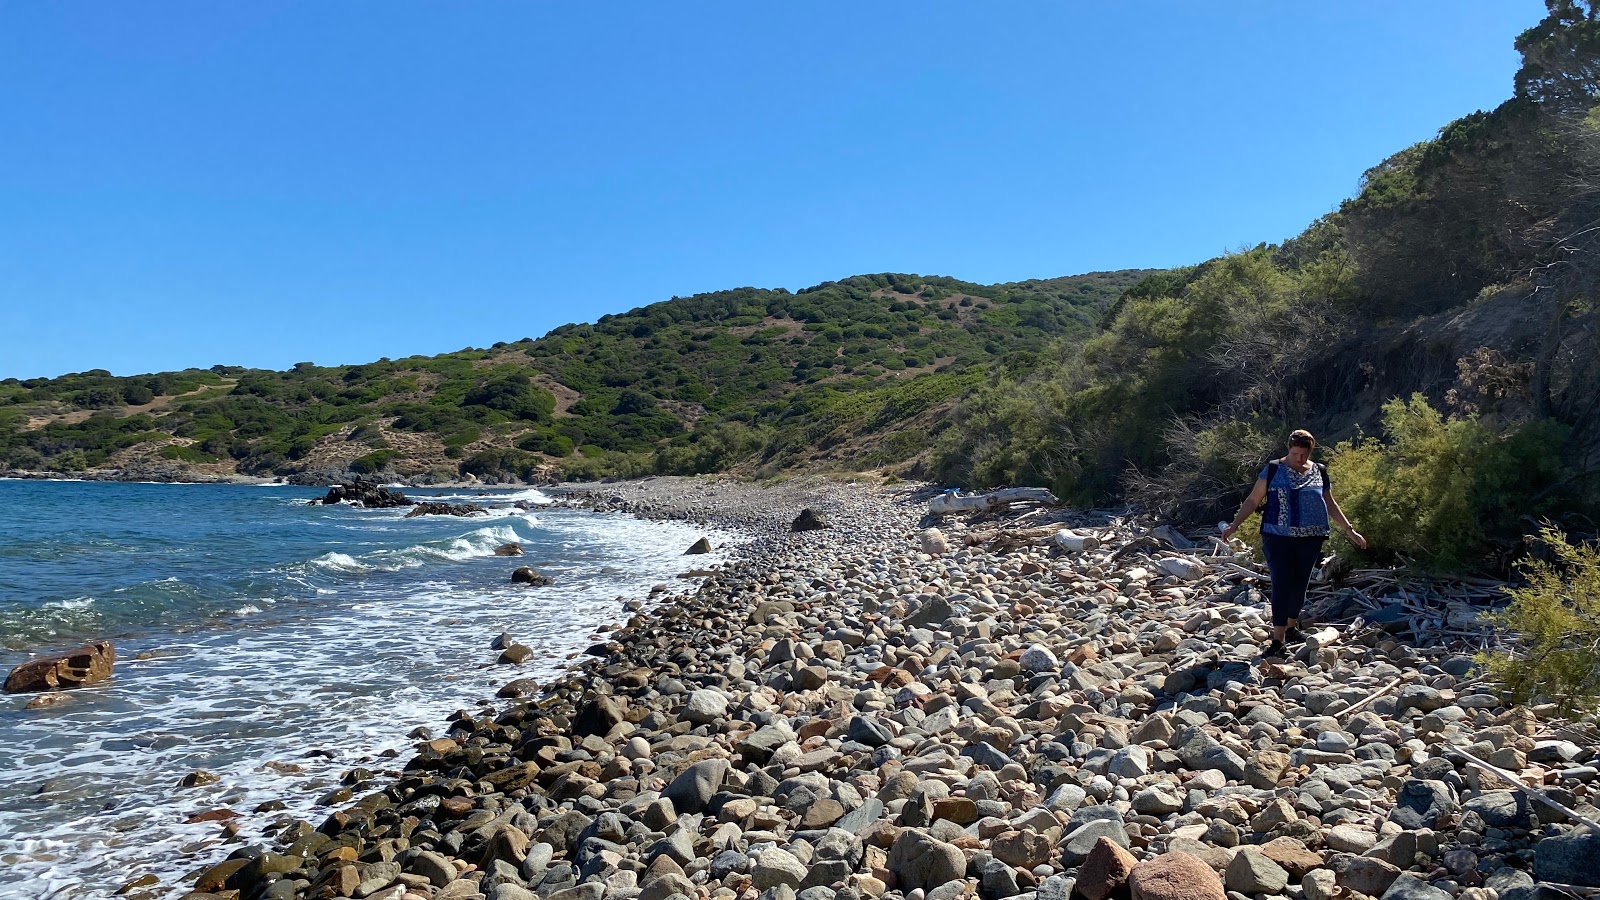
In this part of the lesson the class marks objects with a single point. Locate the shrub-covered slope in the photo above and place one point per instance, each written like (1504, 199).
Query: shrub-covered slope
(832, 375)
(1445, 321)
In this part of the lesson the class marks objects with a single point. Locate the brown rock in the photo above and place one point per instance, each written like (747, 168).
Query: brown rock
(1105, 871)
(515, 655)
(1292, 855)
(455, 807)
(82, 667)
(212, 815)
(216, 877)
(959, 810)
(700, 546)
(1022, 849)
(1265, 769)
(1174, 876)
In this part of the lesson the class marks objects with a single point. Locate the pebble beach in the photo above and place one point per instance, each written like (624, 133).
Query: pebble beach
(873, 709)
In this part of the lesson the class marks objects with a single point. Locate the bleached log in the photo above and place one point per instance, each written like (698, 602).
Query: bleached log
(945, 504)
(1075, 541)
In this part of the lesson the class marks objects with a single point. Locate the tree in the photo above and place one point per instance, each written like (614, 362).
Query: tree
(1561, 57)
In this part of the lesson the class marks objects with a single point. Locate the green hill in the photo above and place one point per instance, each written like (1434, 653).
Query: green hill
(1451, 307)
(841, 374)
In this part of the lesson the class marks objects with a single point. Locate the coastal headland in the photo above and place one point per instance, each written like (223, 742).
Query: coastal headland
(840, 714)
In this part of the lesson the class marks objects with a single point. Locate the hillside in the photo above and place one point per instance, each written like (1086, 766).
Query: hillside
(841, 374)
(1444, 322)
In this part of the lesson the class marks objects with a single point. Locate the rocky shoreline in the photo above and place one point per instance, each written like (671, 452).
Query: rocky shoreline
(871, 710)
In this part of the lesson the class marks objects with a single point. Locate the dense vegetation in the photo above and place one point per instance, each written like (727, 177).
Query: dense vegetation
(1462, 277)
(694, 384)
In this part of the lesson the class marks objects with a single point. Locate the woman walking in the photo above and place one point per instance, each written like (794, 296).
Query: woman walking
(1294, 525)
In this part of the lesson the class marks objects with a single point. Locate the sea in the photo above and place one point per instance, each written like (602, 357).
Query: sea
(270, 642)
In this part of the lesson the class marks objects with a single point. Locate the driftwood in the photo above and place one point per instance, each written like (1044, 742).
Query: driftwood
(1371, 697)
(1532, 792)
(945, 504)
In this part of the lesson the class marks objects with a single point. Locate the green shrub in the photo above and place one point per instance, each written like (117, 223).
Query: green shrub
(374, 462)
(1440, 489)
(1554, 623)
(186, 453)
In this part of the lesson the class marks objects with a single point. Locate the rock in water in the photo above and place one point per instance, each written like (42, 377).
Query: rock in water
(511, 549)
(700, 546)
(527, 575)
(810, 520)
(89, 664)
(45, 701)
(365, 494)
(445, 509)
(1175, 876)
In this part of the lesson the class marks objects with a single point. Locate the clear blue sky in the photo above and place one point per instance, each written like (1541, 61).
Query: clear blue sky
(260, 183)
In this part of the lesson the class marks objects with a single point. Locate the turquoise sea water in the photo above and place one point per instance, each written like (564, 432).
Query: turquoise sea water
(274, 643)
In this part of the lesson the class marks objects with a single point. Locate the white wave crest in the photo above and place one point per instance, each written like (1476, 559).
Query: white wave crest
(74, 603)
(339, 562)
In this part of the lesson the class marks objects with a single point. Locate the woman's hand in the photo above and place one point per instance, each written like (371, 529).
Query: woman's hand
(1229, 532)
(1356, 538)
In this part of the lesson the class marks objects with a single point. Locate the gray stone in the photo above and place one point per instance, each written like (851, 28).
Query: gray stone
(665, 885)
(1076, 845)
(1199, 750)
(705, 706)
(1066, 798)
(920, 861)
(1319, 884)
(1420, 804)
(1499, 809)
(1572, 858)
(1251, 872)
(1038, 658)
(693, 789)
(1129, 762)
(1419, 696)
(1410, 887)
(774, 867)
(508, 891)
(867, 731)
(589, 890)
(856, 820)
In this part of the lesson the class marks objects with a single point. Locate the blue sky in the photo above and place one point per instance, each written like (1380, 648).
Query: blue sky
(263, 183)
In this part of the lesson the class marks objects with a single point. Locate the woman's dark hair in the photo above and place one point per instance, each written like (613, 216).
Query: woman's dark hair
(1302, 438)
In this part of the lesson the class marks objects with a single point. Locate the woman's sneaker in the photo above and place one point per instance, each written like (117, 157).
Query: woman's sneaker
(1274, 649)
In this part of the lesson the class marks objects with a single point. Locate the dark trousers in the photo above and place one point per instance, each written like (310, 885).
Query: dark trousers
(1289, 562)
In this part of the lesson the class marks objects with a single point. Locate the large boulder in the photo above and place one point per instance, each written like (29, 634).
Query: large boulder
(82, 667)
(700, 546)
(810, 520)
(1175, 876)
